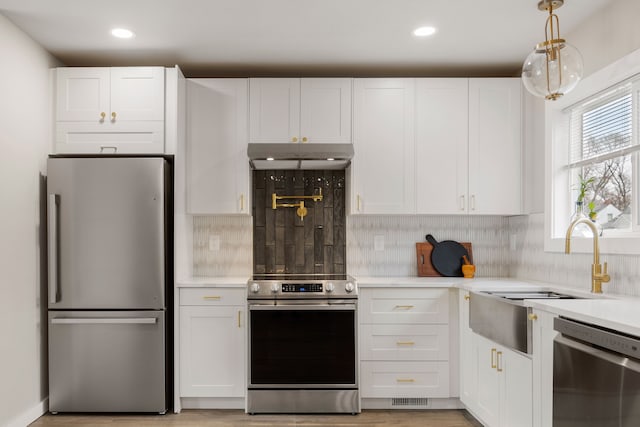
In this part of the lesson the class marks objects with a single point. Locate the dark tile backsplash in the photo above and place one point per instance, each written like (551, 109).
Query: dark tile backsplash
(282, 242)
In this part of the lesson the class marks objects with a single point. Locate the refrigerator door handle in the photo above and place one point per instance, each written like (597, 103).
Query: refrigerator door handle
(104, 321)
(54, 200)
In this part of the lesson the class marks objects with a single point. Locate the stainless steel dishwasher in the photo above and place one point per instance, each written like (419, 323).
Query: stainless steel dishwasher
(596, 376)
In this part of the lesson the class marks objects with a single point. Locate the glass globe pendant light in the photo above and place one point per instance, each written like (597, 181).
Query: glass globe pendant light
(554, 67)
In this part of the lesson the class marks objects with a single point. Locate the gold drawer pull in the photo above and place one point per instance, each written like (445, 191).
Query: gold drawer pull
(212, 298)
(499, 362)
(404, 307)
(405, 343)
(467, 297)
(405, 380)
(494, 365)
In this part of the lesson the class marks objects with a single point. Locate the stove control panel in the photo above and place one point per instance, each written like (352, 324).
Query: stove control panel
(300, 287)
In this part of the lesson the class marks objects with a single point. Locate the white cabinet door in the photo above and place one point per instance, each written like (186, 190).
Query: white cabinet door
(504, 386)
(274, 110)
(441, 146)
(82, 94)
(383, 180)
(110, 110)
(217, 165)
(468, 355)
(516, 408)
(212, 351)
(495, 163)
(325, 112)
(488, 392)
(137, 94)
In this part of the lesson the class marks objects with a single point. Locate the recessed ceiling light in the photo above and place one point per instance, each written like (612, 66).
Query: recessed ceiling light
(424, 31)
(270, 159)
(331, 159)
(122, 33)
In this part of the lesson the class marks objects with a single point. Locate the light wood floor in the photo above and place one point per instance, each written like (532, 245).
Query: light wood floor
(228, 418)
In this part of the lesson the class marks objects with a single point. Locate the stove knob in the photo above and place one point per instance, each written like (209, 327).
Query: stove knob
(329, 287)
(255, 288)
(275, 288)
(349, 287)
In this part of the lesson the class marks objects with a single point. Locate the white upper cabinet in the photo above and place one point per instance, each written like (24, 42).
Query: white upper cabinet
(300, 110)
(382, 169)
(442, 134)
(495, 163)
(217, 164)
(110, 110)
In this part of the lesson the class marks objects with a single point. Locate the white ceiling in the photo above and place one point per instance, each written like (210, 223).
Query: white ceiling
(295, 37)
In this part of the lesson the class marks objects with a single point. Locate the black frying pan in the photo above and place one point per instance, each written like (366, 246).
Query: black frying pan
(446, 256)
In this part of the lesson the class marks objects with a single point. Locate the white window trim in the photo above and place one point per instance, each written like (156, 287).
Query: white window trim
(556, 157)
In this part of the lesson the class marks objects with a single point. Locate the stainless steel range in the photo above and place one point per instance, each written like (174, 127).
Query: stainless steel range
(303, 344)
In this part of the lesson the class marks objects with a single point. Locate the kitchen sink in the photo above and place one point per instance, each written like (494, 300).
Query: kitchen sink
(503, 318)
(522, 295)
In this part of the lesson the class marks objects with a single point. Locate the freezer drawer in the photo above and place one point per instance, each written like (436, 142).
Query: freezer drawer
(110, 361)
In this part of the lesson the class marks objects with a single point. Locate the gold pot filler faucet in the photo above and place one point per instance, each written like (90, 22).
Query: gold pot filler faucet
(598, 277)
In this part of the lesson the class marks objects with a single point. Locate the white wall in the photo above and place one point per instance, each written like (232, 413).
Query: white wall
(24, 143)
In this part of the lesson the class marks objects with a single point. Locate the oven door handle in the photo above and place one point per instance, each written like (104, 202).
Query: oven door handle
(297, 307)
(608, 356)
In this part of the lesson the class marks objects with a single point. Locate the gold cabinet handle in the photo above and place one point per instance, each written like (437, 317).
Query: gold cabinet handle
(358, 203)
(403, 307)
(242, 203)
(467, 297)
(493, 358)
(102, 116)
(405, 343)
(294, 139)
(304, 139)
(212, 297)
(113, 116)
(405, 380)
(533, 316)
(239, 319)
(499, 361)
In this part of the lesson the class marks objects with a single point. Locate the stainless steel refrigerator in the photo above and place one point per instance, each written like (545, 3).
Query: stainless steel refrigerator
(109, 237)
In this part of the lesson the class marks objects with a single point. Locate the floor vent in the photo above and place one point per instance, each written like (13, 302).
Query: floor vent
(410, 401)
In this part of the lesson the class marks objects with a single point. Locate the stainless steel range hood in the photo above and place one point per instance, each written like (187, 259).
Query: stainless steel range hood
(299, 156)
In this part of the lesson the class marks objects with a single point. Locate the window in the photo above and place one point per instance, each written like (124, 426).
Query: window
(593, 134)
(601, 157)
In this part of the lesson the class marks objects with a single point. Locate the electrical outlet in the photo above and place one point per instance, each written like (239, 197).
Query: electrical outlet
(214, 243)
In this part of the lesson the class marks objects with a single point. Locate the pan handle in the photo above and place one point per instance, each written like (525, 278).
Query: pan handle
(431, 240)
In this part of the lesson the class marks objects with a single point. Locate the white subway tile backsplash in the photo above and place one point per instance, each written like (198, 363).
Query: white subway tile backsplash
(222, 246)
(487, 234)
(493, 239)
(530, 261)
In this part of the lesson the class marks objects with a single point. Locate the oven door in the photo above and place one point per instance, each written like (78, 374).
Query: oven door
(302, 344)
(593, 387)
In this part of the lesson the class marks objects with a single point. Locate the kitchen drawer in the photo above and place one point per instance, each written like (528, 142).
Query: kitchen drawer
(404, 379)
(212, 296)
(404, 306)
(404, 342)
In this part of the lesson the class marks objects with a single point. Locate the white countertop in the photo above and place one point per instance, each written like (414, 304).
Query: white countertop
(617, 312)
(212, 282)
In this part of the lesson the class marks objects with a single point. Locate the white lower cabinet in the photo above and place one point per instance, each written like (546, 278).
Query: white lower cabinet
(496, 383)
(212, 342)
(404, 343)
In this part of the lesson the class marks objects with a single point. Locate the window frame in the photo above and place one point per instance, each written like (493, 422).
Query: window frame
(557, 176)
